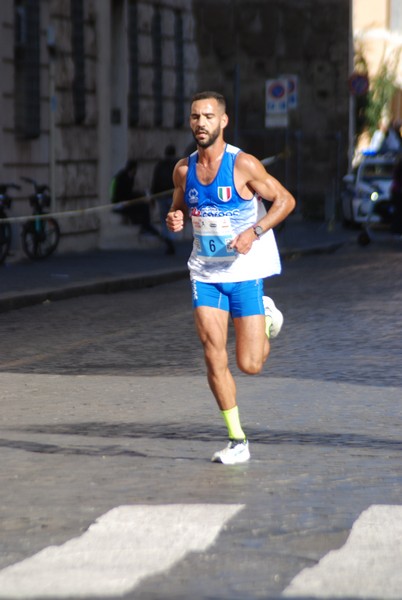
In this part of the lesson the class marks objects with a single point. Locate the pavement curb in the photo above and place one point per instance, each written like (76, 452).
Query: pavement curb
(144, 279)
(290, 253)
(97, 286)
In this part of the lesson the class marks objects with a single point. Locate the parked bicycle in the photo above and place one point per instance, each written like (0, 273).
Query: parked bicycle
(5, 228)
(40, 236)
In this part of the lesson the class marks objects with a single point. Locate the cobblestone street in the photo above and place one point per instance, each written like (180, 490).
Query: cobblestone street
(342, 323)
(106, 404)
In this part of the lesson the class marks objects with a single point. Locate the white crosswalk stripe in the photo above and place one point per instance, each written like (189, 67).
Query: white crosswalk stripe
(121, 548)
(369, 565)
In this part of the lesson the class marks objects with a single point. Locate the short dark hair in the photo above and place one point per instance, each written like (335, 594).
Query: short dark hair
(210, 94)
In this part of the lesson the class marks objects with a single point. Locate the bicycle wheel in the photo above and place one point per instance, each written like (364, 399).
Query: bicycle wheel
(40, 238)
(5, 240)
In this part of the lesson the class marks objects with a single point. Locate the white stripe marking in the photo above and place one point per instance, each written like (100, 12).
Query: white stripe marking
(122, 547)
(369, 565)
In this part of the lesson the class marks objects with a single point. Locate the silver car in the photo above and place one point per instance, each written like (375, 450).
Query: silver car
(367, 191)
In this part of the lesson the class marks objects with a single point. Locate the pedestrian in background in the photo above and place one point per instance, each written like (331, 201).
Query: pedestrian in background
(138, 213)
(162, 181)
(220, 188)
(396, 199)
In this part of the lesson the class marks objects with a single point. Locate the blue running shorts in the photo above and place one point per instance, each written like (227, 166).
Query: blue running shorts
(241, 299)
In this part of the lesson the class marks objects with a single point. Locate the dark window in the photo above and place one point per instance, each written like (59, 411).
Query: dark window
(133, 92)
(158, 71)
(179, 54)
(27, 68)
(78, 54)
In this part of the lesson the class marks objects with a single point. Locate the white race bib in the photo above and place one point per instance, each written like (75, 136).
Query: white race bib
(212, 238)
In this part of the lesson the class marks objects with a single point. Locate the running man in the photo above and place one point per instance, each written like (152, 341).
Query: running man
(219, 187)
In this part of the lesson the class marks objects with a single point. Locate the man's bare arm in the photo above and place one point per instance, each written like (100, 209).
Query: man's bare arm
(178, 210)
(250, 177)
(269, 188)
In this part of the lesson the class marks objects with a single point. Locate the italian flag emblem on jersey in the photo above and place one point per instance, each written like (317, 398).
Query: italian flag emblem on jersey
(224, 193)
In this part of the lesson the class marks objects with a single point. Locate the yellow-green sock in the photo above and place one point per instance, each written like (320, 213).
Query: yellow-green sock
(232, 421)
(268, 325)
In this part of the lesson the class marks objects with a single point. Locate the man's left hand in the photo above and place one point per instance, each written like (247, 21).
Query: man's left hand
(243, 242)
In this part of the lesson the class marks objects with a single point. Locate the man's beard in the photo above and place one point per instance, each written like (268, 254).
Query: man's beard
(212, 137)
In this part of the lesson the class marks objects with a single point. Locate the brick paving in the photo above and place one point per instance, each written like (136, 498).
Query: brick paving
(23, 282)
(106, 404)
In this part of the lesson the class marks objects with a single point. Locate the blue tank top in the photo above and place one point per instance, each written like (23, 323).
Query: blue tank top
(218, 213)
(219, 198)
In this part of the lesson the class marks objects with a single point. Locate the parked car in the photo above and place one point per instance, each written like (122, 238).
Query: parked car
(369, 183)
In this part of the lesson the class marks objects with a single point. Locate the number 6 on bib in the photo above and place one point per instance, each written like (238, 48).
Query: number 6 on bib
(212, 237)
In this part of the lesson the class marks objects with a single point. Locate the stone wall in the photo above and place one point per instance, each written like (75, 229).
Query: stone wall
(265, 39)
(146, 142)
(230, 45)
(76, 143)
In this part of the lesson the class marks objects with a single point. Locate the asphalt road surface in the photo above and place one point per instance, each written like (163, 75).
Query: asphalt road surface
(108, 426)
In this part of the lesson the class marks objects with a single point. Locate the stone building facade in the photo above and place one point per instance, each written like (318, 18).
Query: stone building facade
(246, 43)
(85, 84)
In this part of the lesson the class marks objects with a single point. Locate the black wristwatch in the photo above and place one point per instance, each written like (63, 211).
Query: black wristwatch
(258, 230)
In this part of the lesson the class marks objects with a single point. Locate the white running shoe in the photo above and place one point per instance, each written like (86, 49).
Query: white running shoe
(273, 318)
(235, 452)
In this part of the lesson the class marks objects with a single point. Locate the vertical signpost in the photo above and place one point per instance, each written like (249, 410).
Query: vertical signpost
(293, 91)
(276, 102)
(281, 96)
(51, 45)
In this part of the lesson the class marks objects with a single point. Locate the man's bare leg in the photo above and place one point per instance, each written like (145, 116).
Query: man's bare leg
(252, 344)
(212, 327)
